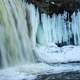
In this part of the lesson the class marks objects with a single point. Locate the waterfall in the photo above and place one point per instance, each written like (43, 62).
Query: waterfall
(22, 28)
(15, 44)
(34, 43)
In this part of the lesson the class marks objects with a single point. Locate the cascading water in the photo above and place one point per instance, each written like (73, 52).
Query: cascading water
(27, 35)
(15, 45)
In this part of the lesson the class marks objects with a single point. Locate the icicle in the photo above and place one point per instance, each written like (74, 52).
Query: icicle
(64, 27)
(45, 27)
(53, 28)
(74, 28)
(78, 26)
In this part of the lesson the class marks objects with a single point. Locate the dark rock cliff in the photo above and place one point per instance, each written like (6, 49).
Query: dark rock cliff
(56, 6)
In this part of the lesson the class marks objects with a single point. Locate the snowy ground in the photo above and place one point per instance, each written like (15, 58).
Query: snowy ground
(54, 54)
(48, 54)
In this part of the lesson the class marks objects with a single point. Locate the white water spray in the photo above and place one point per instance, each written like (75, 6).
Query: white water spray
(15, 45)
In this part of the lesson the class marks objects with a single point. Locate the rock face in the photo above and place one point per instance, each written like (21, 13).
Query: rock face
(61, 76)
(56, 6)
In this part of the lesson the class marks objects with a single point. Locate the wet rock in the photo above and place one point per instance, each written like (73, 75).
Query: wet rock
(56, 6)
(60, 76)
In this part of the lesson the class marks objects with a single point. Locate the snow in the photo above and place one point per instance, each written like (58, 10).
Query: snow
(51, 54)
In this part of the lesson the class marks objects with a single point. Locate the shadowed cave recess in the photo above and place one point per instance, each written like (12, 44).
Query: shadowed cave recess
(69, 11)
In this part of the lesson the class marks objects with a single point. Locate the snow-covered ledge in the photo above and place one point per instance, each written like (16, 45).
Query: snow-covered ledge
(53, 54)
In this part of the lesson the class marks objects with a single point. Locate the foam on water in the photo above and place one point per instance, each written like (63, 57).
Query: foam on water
(31, 71)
